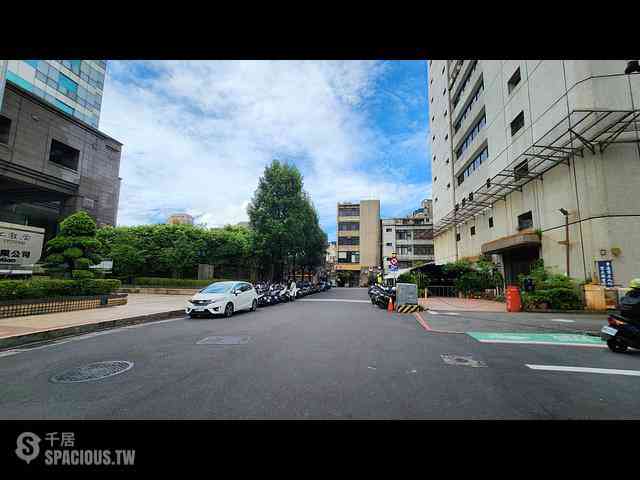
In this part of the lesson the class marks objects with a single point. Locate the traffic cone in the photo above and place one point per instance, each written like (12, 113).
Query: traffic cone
(390, 305)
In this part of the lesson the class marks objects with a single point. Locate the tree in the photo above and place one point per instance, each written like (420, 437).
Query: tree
(75, 248)
(284, 222)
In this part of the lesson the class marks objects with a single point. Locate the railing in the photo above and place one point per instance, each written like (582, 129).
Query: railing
(23, 307)
(441, 291)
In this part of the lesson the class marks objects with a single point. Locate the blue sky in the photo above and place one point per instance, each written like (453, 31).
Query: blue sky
(198, 134)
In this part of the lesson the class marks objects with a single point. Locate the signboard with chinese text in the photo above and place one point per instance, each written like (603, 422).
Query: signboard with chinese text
(20, 245)
(605, 273)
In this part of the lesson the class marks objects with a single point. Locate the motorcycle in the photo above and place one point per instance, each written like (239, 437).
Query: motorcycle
(623, 329)
(383, 297)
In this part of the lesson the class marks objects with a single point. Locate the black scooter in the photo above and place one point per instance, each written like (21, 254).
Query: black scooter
(623, 329)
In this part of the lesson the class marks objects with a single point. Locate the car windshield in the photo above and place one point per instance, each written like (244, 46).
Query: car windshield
(222, 287)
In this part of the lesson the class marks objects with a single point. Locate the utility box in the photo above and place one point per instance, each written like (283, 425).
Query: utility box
(406, 294)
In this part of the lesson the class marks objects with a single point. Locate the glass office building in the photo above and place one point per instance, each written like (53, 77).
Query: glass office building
(74, 86)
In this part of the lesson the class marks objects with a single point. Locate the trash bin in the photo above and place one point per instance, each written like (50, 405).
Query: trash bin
(514, 302)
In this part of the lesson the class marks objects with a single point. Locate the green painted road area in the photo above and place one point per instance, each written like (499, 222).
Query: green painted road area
(539, 338)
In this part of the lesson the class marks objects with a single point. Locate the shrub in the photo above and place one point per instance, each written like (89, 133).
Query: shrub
(38, 288)
(174, 282)
(557, 291)
(81, 274)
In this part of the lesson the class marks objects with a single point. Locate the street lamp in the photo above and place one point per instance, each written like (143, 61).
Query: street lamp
(566, 234)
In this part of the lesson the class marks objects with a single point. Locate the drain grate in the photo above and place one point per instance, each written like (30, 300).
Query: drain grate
(462, 360)
(224, 340)
(93, 371)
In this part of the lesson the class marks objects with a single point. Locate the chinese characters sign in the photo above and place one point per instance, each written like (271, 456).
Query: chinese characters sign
(20, 245)
(605, 270)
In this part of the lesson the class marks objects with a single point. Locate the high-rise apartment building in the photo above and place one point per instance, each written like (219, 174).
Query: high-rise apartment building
(358, 240)
(410, 239)
(73, 86)
(521, 148)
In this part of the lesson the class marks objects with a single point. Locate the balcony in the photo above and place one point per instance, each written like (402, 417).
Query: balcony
(473, 83)
(472, 117)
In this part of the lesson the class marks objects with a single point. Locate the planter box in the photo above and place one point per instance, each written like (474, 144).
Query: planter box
(20, 308)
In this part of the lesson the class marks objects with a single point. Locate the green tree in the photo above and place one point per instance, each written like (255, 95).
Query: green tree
(286, 232)
(74, 249)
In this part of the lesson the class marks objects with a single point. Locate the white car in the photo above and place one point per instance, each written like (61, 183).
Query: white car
(223, 298)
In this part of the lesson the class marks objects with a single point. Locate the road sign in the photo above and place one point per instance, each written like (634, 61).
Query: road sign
(605, 271)
(393, 263)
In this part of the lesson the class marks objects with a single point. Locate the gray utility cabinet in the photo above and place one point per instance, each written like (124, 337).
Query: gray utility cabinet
(406, 294)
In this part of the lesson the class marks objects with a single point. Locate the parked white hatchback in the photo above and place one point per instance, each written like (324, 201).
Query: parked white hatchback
(223, 298)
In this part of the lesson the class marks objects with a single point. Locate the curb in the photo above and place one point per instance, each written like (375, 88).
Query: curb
(44, 335)
(572, 312)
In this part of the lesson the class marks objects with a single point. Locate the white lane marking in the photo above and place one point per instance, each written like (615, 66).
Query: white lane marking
(332, 300)
(433, 312)
(8, 353)
(450, 313)
(608, 371)
(534, 342)
(563, 320)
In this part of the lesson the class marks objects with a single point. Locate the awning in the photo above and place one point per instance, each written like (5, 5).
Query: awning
(511, 242)
(590, 129)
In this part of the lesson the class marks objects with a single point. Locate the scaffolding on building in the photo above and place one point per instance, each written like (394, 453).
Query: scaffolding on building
(581, 129)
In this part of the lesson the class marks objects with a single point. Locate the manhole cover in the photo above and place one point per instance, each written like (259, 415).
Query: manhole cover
(224, 340)
(93, 371)
(466, 361)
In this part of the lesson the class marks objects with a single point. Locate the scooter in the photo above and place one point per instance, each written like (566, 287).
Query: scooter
(623, 329)
(382, 298)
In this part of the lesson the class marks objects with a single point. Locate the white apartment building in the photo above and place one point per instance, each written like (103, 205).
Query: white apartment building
(516, 144)
(410, 239)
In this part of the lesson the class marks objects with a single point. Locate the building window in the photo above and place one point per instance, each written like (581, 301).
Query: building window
(435, 179)
(444, 92)
(447, 161)
(403, 234)
(348, 226)
(475, 97)
(348, 240)
(388, 230)
(474, 165)
(64, 155)
(434, 138)
(514, 80)
(349, 211)
(423, 250)
(431, 99)
(389, 244)
(445, 113)
(446, 137)
(517, 123)
(471, 136)
(5, 128)
(348, 257)
(457, 237)
(525, 220)
(405, 250)
(465, 83)
(473, 231)
(490, 222)
(423, 234)
(521, 170)
(448, 185)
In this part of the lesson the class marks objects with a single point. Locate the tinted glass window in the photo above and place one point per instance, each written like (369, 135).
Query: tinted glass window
(220, 287)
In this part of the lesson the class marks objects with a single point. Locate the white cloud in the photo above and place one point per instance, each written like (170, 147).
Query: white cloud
(197, 136)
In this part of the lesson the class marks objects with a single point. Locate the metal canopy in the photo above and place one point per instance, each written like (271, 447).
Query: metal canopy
(590, 129)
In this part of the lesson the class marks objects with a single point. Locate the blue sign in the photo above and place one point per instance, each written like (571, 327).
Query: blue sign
(605, 271)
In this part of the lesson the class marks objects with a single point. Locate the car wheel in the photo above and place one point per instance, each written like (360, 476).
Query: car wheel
(228, 310)
(616, 346)
(254, 306)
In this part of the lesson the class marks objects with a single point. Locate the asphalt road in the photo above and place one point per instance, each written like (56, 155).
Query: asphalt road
(314, 359)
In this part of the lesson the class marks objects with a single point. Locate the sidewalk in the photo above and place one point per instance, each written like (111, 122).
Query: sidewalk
(462, 304)
(140, 308)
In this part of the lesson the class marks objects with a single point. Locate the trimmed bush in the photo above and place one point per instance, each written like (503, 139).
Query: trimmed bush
(174, 282)
(38, 288)
(81, 274)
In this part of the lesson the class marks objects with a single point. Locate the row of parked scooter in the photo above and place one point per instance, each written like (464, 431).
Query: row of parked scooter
(273, 293)
(381, 294)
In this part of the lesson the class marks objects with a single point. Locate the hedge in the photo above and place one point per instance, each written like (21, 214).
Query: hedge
(174, 282)
(38, 288)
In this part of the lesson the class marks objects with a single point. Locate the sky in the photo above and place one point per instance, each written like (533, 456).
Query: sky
(197, 135)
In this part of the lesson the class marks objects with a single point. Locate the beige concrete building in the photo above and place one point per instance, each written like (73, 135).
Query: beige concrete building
(180, 219)
(410, 238)
(358, 240)
(518, 143)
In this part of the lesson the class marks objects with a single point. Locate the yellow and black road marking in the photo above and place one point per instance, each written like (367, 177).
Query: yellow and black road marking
(409, 308)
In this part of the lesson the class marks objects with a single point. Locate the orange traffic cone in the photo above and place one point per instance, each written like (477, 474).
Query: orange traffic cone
(390, 305)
